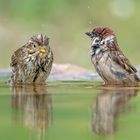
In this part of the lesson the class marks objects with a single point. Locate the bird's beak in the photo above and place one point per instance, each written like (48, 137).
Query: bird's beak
(42, 49)
(90, 34)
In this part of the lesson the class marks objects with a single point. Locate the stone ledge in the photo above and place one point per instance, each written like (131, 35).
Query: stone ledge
(67, 72)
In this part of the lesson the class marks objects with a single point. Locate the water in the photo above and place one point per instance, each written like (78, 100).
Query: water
(69, 111)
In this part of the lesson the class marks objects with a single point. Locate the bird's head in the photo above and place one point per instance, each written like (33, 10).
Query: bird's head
(38, 44)
(101, 36)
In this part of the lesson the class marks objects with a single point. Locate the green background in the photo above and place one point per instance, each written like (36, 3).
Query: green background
(65, 22)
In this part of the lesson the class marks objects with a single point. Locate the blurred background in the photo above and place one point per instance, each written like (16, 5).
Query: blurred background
(65, 22)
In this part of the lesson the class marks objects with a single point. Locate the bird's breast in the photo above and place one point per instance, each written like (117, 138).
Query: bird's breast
(98, 55)
(107, 68)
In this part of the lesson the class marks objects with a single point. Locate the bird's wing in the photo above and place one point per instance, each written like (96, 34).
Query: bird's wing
(16, 57)
(117, 56)
(13, 60)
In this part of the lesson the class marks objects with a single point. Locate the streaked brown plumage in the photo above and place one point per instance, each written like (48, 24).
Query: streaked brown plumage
(109, 61)
(32, 62)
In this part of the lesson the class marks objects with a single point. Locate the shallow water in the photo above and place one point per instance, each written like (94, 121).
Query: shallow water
(69, 111)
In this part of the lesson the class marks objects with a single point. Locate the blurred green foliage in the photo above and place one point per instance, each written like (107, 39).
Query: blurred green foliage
(65, 22)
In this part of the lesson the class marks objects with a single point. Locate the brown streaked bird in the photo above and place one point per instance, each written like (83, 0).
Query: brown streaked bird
(32, 62)
(108, 59)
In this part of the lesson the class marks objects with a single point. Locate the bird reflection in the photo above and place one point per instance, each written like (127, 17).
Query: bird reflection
(32, 107)
(109, 104)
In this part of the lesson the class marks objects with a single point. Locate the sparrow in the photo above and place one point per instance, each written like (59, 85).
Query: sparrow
(32, 62)
(109, 61)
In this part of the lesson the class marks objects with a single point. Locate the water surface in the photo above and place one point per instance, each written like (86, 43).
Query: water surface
(69, 111)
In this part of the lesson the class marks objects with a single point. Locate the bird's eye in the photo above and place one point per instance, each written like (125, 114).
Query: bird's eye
(34, 46)
(96, 34)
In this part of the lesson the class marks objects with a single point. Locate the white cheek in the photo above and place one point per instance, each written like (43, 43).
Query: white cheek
(94, 41)
(107, 39)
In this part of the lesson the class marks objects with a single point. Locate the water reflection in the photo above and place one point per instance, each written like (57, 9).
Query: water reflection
(109, 104)
(32, 107)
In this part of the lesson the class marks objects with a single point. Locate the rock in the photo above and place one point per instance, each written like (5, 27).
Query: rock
(71, 72)
(5, 73)
(64, 72)
(67, 72)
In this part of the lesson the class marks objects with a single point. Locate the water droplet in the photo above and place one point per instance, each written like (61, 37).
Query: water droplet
(90, 22)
